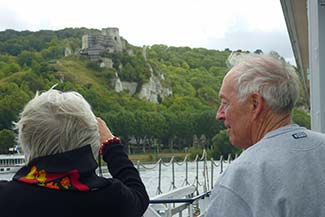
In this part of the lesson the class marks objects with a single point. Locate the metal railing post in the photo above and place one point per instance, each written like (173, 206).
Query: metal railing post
(191, 210)
(159, 177)
(138, 165)
(186, 172)
(173, 174)
(221, 164)
(197, 176)
(212, 168)
(205, 172)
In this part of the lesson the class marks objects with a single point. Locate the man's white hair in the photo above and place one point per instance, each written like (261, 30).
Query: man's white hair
(55, 122)
(269, 76)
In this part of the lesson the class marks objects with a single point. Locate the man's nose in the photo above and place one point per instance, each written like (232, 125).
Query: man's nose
(220, 114)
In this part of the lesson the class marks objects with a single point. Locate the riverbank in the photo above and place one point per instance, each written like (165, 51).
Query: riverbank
(153, 157)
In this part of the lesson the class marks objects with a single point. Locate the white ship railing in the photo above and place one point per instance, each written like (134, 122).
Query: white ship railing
(191, 198)
(186, 199)
(176, 201)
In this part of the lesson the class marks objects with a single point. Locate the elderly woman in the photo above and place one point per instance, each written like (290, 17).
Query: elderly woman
(61, 137)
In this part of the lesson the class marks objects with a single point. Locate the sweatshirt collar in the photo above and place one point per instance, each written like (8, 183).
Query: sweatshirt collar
(282, 130)
(72, 170)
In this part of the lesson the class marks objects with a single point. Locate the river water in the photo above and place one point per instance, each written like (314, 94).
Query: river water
(150, 175)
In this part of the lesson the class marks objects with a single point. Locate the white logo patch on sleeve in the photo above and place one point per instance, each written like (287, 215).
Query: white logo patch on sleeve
(299, 135)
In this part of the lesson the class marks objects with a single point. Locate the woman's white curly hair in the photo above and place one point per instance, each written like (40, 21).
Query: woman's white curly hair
(55, 122)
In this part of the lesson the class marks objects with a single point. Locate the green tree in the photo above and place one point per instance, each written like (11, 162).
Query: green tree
(206, 124)
(183, 128)
(25, 58)
(123, 125)
(142, 123)
(7, 140)
(301, 117)
(158, 127)
(222, 145)
(12, 100)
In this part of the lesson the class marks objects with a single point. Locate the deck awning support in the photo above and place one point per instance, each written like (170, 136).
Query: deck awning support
(316, 30)
(305, 21)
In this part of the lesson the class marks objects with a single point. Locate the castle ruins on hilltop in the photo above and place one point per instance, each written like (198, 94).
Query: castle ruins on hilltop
(109, 40)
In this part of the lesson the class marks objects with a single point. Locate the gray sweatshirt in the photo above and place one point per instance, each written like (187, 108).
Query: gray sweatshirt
(280, 176)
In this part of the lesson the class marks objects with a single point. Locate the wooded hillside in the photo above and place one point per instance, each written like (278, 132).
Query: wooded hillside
(35, 61)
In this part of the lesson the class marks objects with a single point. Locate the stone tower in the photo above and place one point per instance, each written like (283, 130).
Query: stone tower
(113, 39)
(108, 40)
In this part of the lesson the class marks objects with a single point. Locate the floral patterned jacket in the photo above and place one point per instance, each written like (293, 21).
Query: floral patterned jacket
(66, 184)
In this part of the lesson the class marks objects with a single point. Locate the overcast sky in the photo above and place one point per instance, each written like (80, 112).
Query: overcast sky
(212, 24)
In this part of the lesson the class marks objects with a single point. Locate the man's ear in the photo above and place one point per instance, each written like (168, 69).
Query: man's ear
(257, 104)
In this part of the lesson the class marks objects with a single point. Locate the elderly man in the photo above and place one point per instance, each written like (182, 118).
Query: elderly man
(281, 171)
